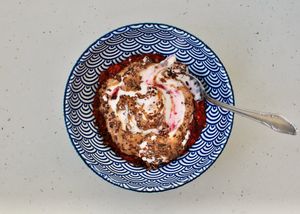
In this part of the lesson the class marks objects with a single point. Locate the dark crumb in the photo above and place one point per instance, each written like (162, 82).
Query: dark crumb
(118, 77)
(171, 74)
(162, 80)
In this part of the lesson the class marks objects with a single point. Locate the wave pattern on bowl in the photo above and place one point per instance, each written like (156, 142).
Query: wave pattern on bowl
(117, 46)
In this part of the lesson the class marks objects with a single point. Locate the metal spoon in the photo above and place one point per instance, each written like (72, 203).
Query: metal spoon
(274, 121)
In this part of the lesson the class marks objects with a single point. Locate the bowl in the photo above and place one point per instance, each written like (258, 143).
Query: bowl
(116, 46)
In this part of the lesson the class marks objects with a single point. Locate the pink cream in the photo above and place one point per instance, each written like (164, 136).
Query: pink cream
(174, 99)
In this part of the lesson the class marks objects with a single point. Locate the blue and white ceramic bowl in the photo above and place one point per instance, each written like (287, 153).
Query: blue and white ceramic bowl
(116, 46)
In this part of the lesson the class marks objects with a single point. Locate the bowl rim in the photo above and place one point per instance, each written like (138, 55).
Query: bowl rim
(78, 62)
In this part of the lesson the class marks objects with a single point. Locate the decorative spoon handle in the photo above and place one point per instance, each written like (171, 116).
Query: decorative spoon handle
(274, 121)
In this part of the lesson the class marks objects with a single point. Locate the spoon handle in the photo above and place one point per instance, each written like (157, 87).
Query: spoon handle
(274, 121)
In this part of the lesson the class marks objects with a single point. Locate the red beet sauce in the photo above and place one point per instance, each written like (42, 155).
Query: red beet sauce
(196, 126)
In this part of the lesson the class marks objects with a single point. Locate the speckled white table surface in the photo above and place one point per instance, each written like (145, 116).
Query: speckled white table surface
(40, 172)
